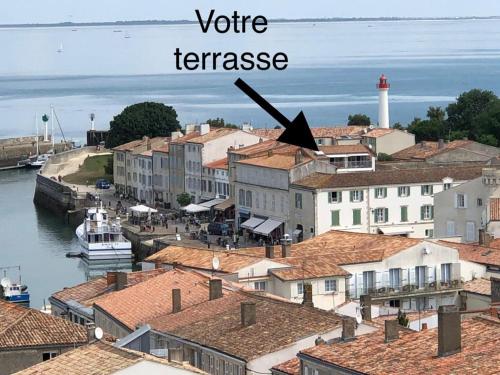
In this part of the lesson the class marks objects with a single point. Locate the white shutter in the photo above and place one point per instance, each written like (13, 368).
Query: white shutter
(385, 279)
(465, 200)
(431, 274)
(359, 286)
(404, 276)
(412, 275)
(455, 200)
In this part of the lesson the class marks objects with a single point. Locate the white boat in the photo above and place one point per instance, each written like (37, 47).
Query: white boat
(101, 238)
(38, 161)
(61, 48)
(13, 292)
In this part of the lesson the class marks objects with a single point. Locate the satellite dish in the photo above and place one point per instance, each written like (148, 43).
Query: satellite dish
(215, 263)
(98, 333)
(426, 250)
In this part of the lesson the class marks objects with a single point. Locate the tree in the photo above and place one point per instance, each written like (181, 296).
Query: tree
(426, 130)
(488, 125)
(183, 199)
(384, 157)
(398, 126)
(436, 114)
(277, 127)
(359, 119)
(220, 123)
(142, 119)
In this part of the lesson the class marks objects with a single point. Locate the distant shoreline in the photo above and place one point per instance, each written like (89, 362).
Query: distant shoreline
(276, 20)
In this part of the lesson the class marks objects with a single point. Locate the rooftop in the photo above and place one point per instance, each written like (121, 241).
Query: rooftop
(275, 161)
(416, 352)
(217, 324)
(389, 177)
(495, 209)
(475, 253)
(86, 292)
(212, 135)
(131, 146)
(22, 327)
(218, 164)
(428, 149)
(478, 286)
(256, 149)
(346, 149)
(144, 301)
(309, 268)
(98, 358)
(290, 367)
(317, 132)
(378, 132)
(186, 138)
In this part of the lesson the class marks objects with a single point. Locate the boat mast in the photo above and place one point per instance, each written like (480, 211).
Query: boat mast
(52, 125)
(36, 126)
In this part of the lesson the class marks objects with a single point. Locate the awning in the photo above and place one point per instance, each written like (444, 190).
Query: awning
(296, 232)
(228, 203)
(396, 231)
(212, 202)
(143, 209)
(267, 227)
(194, 208)
(252, 223)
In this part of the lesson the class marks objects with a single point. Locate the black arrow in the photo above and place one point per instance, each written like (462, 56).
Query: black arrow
(296, 132)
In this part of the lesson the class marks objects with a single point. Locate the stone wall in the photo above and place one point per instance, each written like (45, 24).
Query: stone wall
(16, 360)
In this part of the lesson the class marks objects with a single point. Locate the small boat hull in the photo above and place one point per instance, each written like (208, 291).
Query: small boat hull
(19, 298)
(121, 250)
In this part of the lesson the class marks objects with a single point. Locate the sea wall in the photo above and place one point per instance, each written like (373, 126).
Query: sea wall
(13, 150)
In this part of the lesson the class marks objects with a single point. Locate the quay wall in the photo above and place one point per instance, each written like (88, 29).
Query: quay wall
(13, 150)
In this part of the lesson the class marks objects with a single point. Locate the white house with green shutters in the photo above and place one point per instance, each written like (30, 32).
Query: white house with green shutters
(391, 202)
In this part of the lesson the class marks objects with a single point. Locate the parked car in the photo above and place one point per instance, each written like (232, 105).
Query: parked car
(219, 229)
(102, 184)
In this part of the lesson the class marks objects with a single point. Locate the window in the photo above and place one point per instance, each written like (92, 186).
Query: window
(241, 196)
(450, 228)
(335, 218)
(259, 285)
(447, 186)
(461, 201)
(446, 272)
(356, 196)
(395, 278)
(298, 200)
(82, 321)
(381, 215)
(380, 193)
(429, 233)
(420, 273)
(470, 233)
(479, 202)
(335, 197)
(403, 191)
(427, 212)
(330, 285)
(356, 216)
(426, 189)
(404, 214)
(300, 288)
(368, 281)
(48, 355)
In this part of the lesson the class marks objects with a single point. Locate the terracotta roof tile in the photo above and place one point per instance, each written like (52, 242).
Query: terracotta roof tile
(139, 303)
(478, 286)
(309, 268)
(275, 161)
(218, 164)
(97, 358)
(416, 352)
(133, 145)
(475, 253)
(345, 149)
(186, 138)
(317, 132)
(291, 367)
(495, 209)
(378, 132)
(427, 149)
(86, 292)
(389, 177)
(217, 324)
(20, 327)
(212, 135)
(257, 148)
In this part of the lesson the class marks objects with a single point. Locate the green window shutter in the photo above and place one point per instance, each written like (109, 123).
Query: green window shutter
(335, 218)
(422, 212)
(422, 189)
(385, 192)
(386, 214)
(361, 196)
(356, 217)
(351, 196)
(329, 197)
(339, 196)
(409, 190)
(432, 212)
(404, 213)
(432, 189)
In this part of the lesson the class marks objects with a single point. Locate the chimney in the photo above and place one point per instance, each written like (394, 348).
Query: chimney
(248, 315)
(176, 301)
(204, 129)
(366, 307)
(484, 238)
(269, 153)
(449, 331)
(269, 251)
(348, 329)
(299, 157)
(391, 330)
(440, 143)
(424, 326)
(111, 277)
(158, 264)
(495, 289)
(90, 332)
(308, 295)
(286, 248)
(121, 280)
(215, 289)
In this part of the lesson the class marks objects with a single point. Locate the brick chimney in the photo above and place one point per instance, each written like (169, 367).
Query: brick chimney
(286, 248)
(299, 157)
(110, 277)
(248, 314)
(348, 329)
(215, 289)
(176, 301)
(269, 251)
(495, 289)
(449, 331)
(424, 326)
(90, 332)
(391, 330)
(366, 307)
(308, 295)
(484, 238)
(121, 280)
(158, 264)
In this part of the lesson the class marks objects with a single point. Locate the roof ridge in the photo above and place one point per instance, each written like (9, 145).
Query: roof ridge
(16, 321)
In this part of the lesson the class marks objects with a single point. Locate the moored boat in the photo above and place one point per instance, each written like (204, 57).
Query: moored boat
(13, 292)
(101, 238)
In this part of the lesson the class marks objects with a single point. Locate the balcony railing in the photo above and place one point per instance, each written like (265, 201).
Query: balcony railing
(409, 289)
(352, 164)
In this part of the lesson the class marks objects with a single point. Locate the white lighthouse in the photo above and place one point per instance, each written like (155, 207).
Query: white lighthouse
(383, 102)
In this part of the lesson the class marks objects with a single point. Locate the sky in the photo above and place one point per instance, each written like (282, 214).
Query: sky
(50, 11)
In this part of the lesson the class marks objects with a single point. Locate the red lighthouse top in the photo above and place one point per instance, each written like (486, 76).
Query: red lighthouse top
(383, 84)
